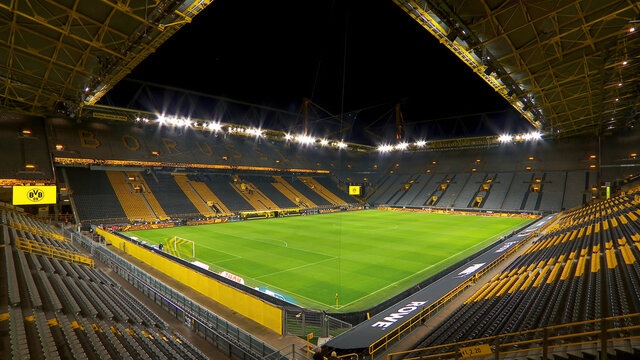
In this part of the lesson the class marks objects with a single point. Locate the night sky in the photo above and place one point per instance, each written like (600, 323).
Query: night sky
(277, 52)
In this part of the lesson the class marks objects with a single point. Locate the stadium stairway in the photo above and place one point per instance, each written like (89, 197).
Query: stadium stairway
(265, 184)
(210, 198)
(584, 268)
(252, 194)
(147, 194)
(314, 185)
(341, 192)
(303, 189)
(291, 193)
(193, 196)
(134, 205)
(56, 308)
(219, 185)
(500, 186)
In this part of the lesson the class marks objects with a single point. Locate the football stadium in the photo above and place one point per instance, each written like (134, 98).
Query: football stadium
(199, 179)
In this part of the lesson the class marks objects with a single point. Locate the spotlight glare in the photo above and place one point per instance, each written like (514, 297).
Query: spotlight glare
(341, 145)
(305, 139)
(421, 143)
(324, 142)
(505, 138)
(402, 146)
(288, 136)
(385, 148)
(214, 126)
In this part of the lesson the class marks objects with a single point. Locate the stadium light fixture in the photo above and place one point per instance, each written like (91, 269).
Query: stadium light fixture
(505, 138)
(341, 145)
(421, 143)
(324, 142)
(305, 139)
(214, 126)
(536, 135)
(255, 132)
(385, 148)
(288, 136)
(402, 146)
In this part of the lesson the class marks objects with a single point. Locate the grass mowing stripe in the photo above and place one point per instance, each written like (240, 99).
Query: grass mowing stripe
(425, 269)
(379, 253)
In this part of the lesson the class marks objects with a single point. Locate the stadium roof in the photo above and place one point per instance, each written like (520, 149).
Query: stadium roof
(569, 67)
(66, 53)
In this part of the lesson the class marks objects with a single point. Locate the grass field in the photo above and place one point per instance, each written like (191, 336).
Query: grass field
(363, 256)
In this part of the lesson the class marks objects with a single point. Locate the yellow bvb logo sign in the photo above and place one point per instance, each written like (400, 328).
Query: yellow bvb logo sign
(35, 195)
(30, 195)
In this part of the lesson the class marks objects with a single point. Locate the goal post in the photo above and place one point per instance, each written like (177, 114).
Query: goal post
(183, 248)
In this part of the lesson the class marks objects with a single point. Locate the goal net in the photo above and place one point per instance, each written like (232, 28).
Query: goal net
(181, 247)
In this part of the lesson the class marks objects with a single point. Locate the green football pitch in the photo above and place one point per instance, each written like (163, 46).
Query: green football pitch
(363, 257)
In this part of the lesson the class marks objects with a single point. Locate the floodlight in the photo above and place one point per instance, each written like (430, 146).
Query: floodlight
(324, 142)
(402, 146)
(421, 143)
(214, 126)
(288, 136)
(385, 148)
(535, 135)
(305, 139)
(505, 138)
(341, 145)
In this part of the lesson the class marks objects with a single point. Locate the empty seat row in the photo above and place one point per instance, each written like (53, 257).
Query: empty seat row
(585, 267)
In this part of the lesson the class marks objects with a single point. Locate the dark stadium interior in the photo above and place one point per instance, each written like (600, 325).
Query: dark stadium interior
(125, 116)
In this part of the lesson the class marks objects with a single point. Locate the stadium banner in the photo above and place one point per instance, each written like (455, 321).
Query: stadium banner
(147, 226)
(234, 277)
(277, 295)
(355, 190)
(456, 212)
(34, 195)
(209, 221)
(249, 306)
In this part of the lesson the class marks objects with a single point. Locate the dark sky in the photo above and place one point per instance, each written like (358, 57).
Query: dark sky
(277, 52)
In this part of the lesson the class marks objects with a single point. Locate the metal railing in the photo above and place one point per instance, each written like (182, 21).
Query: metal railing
(34, 230)
(596, 336)
(301, 321)
(230, 339)
(52, 251)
